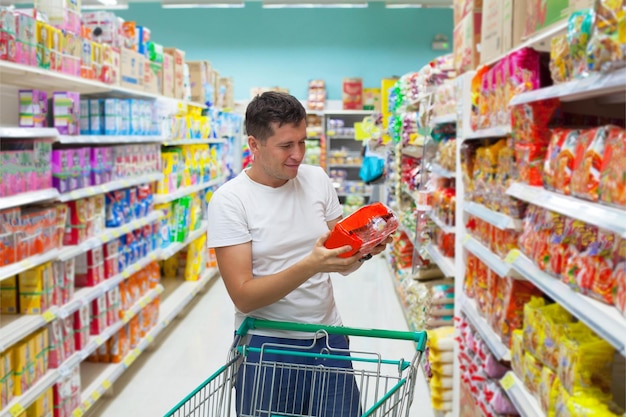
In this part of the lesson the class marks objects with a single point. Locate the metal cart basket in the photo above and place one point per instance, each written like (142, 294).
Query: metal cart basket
(377, 386)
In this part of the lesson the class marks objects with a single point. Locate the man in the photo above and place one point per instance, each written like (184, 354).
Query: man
(268, 227)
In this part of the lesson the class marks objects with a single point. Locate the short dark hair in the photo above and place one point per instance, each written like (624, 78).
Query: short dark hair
(272, 107)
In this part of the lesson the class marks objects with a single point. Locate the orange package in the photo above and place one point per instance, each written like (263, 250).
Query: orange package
(564, 164)
(588, 166)
(612, 188)
(559, 245)
(580, 267)
(116, 347)
(135, 332)
(470, 275)
(602, 256)
(512, 295)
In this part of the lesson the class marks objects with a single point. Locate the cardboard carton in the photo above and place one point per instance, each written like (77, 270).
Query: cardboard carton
(168, 75)
(541, 14)
(466, 40)
(179, 71)
(462, 8)
(132, 69)
(225, 97)
(513, 23)
(153, 77)
(198, 80)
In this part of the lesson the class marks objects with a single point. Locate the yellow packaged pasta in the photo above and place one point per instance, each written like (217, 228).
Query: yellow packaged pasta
(588, 406)
(545, 391)
(585, 363)
(532, 372)
(552, 323)
(532, 329)
(517, 352)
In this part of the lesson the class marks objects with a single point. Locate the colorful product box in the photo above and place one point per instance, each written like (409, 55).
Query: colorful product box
(8, 296)
(41, 353)
(6, 377)
(66, 112)
(61, 170)
(24, 365)
(26, 39)
(33, 108)
(114, 306)
(85, 125)
(179, 71)
(7, 34)
(81, 327)
(43, 405)
(89, 268)
(72, 51)
(98, 315)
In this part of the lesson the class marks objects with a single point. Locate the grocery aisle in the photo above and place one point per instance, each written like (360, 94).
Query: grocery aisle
(158, 379)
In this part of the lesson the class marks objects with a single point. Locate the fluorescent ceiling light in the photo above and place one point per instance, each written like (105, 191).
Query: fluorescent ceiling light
(403, 6)
(186, 4)
(308, 4)
(104, 4)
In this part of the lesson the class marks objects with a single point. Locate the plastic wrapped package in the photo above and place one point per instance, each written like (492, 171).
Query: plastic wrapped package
(560, 59)
(578, 34)
(612, 188)
(532, 329)
(532, 373)
(363, 229)
(498, 400)
(586, 405)
(517, 352)
(607, 47)
(544, 391)
(619, 274)
(585, 362)
(580, 267)
(554, 324)
(587, 170)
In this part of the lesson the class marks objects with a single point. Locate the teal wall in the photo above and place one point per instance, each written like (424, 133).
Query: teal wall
(287, 47)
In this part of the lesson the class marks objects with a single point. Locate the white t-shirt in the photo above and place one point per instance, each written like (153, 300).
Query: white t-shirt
(283, 225)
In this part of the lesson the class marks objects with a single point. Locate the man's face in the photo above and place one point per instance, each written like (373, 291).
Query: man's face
(278, 158)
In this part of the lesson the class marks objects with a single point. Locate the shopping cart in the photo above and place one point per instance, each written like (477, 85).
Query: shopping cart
(383, 387)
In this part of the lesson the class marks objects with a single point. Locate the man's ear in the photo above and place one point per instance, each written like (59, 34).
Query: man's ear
(253, 144)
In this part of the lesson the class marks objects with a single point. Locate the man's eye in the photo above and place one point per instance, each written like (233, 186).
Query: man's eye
(286, 146)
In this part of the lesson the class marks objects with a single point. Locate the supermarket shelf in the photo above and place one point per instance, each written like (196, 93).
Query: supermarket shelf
(182, 192)
(414, 152)
(19, 404)
(493, 341)
(182, 142)
(106, 375)
(418, 207)
(499, 220)
(38, 78)
(86, 295)
(603, 319)
(444, 227)
(493, 261)
(494, 132)
(348, 112)
(605, 217)
(28, 132)
(107, 139)
(30, 197)
(441, 171)
(69, 252)
(447, 118)
(19, 326)
(28, 263)
(353, 194)
(332, 137)
(54, 375)
(595, 85)
(409, 232)
(444, 263)
(23, 325)
(174, 248)
(183, 294)
(522, 399)
(110, 186)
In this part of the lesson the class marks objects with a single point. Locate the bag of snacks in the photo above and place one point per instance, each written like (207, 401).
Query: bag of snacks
(612, 187)
(560, 61)
(564, 164)
(580, 266)
(545, 390)
(607, 46)
(619, 275)
(578, 33)
(532, 335)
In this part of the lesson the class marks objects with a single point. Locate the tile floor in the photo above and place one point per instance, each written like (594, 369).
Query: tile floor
(196, 345)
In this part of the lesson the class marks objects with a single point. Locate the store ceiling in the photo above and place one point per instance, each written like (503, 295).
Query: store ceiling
(123, 4)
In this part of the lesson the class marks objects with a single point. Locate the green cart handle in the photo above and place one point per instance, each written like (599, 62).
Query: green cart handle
(419, 337)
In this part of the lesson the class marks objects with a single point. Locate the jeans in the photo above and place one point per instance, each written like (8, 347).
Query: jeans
(280, 386)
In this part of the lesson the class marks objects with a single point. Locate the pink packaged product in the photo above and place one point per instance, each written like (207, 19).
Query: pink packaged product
(66, 112)
(89, 273)
(81, 327)
(56, 354)
(98, 315)
(101, 161)
(7, 34)
(76, 169)
(25, 39)
(61, 170)
(85, 167)
(108, 25)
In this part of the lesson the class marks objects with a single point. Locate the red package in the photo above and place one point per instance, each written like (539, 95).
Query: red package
(514, 294)
(602, 254)
(612, 188)
(581, 166)
(586, 175)
(580, 267)
(98, 315)
(81, 327)
(530, 159)
(552, 157)
(363, 230)
(564, 165)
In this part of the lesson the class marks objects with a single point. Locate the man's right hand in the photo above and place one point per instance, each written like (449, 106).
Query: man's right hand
(328, 260)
